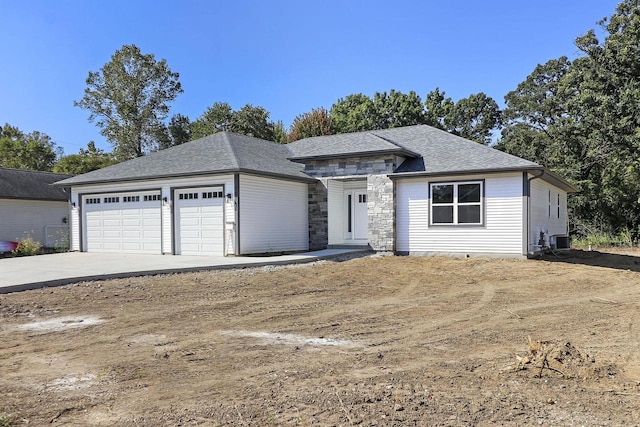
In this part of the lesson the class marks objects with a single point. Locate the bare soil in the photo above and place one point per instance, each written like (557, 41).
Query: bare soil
(381, 340)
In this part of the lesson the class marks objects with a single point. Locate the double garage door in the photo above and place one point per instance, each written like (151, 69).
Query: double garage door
(131, 222)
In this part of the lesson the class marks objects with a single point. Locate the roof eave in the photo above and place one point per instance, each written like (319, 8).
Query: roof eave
(418, 174)
(182, 175)
(559, 181)
(41, 199)
(142, 178)
(547, 175)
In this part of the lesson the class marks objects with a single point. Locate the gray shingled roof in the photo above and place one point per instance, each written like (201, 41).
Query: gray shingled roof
(443, 152)
(221, 152)
(30, 185)
(428, 150)
(344, 145)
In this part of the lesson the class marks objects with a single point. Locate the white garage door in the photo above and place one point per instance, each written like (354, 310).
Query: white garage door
(199, 221)
(123, 222)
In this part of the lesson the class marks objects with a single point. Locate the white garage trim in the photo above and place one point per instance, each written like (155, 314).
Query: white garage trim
(199, 221)
(122, 222)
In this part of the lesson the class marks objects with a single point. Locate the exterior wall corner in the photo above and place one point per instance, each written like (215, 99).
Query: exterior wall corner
(318, 215)
(381, 218)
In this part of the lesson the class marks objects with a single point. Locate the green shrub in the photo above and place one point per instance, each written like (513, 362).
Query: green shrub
(27, 247)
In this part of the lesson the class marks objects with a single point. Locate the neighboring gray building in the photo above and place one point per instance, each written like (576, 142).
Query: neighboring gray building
(413, 190)
(31, 207)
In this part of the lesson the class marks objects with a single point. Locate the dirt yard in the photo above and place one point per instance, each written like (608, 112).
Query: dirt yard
(386, 341)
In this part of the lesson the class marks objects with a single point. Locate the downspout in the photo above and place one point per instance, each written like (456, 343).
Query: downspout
(529, 207)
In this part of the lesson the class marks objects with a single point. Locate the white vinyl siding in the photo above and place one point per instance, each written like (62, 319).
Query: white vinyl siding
(167, 226)
(273, 215)
(500, 234)
(39, 219)
(544, 211)
(336, 211)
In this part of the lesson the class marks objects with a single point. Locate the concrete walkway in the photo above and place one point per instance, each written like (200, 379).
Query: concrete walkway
(22, 273)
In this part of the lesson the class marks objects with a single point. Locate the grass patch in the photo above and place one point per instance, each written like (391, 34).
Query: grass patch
(5, 421)
(602, 240)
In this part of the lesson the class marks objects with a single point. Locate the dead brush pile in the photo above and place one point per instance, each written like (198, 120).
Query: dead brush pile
(560, 359)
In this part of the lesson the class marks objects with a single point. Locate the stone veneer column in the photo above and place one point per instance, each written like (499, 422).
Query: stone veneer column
(318, 217)
(381, 213)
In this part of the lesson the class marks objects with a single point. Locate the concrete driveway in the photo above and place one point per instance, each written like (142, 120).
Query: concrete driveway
(22, 273)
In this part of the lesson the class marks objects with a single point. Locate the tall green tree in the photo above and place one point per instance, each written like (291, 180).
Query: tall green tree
(437, 108)
(249, 120)
(86, 160)
(317, 122)
(474, 118)
(216, 118)
(32, 151)
(582, 118)
(353, 113)
(128, 99)
(280, 134)
(253, 121)
(177, 132)
(397, 109)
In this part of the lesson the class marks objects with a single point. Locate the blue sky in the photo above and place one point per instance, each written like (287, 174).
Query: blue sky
(286, 56)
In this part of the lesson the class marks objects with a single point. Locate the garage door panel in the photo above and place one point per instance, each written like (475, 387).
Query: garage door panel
(132, 226)
(210, 234)
(151, 234)
(151, 222)
(132, 222)
(131, 246)
(112, 246)
(213, 222)
(199, 223)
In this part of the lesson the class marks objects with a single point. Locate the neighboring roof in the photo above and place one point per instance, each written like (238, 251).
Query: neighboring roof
(369, 143)
(31, 185)
(218, 153)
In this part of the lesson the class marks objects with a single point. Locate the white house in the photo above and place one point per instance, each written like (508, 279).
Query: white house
(31, 207)
(415, 190)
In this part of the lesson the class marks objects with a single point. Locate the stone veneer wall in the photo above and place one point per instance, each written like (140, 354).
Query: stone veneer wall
(318, 219)
(350, 166)
(381, 218)
(380, 196)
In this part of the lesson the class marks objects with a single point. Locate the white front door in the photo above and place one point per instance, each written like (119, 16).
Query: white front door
(360, 215)
(199, 221)
(356, 215)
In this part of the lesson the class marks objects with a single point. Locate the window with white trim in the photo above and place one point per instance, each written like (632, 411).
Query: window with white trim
(456, 203)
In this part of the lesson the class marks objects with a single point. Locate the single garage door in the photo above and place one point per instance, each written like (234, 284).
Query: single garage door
(199, 221)
(123, 222)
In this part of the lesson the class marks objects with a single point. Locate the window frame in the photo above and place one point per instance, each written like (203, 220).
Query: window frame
(456, 204)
